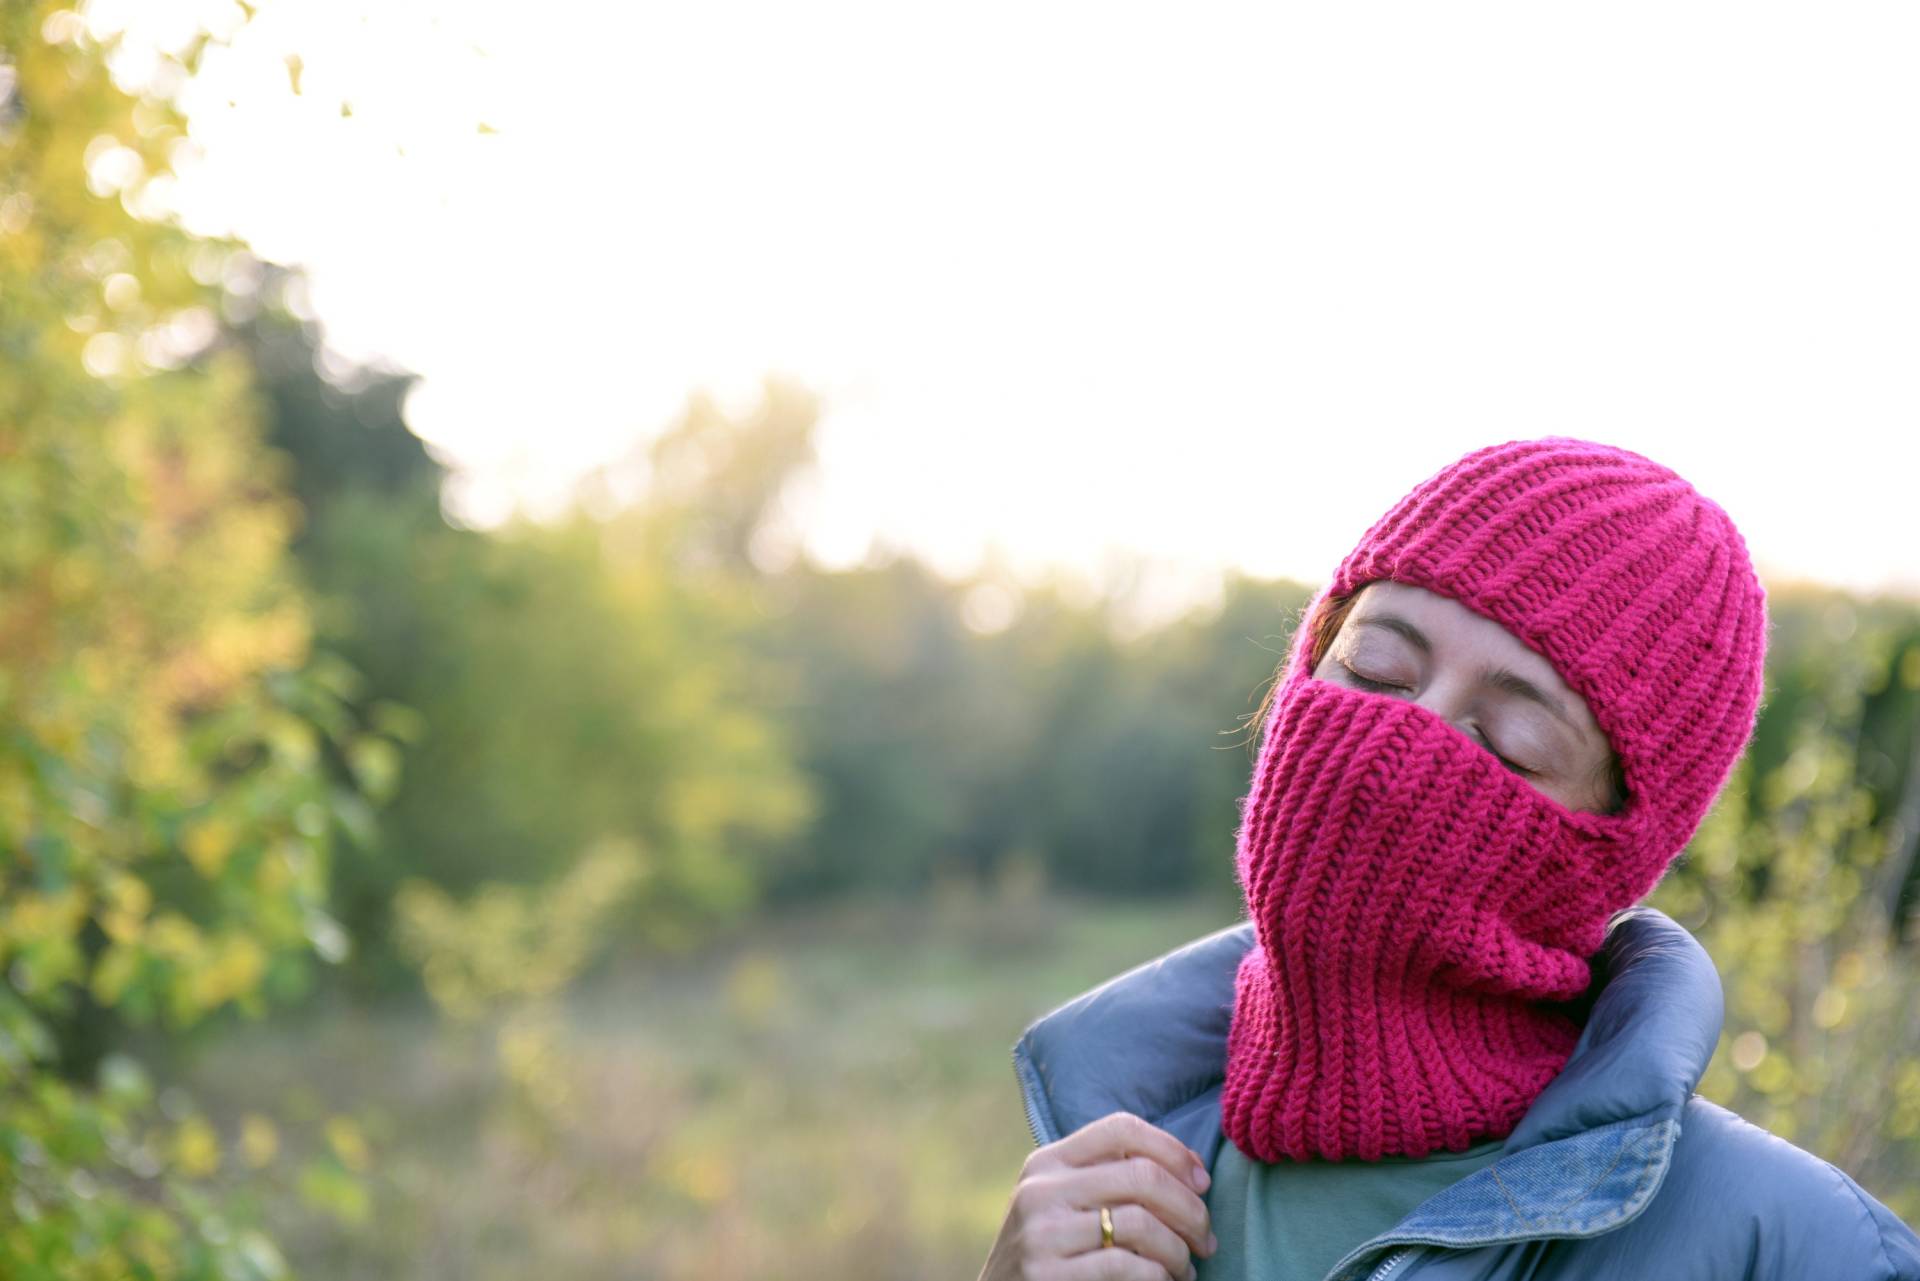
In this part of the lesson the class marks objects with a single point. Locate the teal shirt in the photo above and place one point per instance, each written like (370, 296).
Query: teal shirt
(1292, 1221)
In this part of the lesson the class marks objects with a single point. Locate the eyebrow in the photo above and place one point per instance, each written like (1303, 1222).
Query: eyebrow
(1498, 677)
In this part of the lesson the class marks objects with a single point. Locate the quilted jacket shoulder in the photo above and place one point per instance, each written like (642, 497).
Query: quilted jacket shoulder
(1751, 1204)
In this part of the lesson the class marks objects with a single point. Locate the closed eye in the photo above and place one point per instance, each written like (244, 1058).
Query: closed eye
(1515, 766)
(1385, 687)
(1365, 682)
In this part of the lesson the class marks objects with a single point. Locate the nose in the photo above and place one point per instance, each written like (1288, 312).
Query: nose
(1450, 701)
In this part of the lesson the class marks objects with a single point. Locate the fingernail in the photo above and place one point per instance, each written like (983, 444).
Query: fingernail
(1213, 1243)
(1201, 1178)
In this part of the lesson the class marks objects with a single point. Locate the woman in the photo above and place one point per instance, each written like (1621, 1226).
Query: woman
(1444, 1043)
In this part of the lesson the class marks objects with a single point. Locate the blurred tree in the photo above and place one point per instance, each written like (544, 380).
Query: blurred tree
(341, 424)
(1050, 741)
(904, 726)
(167, 830)
(940, 748)
(564, 685)
(715, 485)
(1798, 884)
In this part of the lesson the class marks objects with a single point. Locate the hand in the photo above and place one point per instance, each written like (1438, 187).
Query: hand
(1149, 1180)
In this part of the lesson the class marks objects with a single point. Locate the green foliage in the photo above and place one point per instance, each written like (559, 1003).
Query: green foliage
(1798, 884)
(567, 685)
(167, 828)
(940, 748)
(512, 943)
(496, 967)
(575, 692)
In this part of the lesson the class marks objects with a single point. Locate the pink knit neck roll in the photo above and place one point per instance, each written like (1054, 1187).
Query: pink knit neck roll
(1420, 911)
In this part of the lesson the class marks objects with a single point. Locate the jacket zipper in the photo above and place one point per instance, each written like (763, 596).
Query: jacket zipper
(1026, 1098)
(1391, 1262)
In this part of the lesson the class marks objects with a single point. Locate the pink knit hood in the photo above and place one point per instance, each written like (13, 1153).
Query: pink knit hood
(1421, 913)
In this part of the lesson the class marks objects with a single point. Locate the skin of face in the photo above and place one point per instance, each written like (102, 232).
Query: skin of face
(1408, 642)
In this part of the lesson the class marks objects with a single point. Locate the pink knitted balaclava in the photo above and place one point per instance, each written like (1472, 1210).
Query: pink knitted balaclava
(1419, 909)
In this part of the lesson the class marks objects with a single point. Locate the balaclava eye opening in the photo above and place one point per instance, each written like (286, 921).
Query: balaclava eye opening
(1421, 913)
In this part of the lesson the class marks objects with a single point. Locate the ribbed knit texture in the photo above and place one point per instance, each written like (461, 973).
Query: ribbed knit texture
(1418, 908)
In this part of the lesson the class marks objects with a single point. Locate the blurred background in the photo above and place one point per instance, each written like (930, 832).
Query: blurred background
(599, 604)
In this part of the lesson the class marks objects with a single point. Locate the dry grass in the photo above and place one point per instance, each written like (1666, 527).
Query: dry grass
(824, 1096)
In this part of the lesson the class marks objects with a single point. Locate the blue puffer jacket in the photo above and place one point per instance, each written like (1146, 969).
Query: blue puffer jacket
(1617, 1170)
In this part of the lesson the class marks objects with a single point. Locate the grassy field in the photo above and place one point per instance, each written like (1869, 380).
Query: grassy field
(828, 1096)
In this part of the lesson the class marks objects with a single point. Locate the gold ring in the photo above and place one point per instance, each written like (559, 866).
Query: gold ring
(1106, 1228)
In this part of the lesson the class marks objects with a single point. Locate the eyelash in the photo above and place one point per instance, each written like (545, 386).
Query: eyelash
(1365, 682)
(1382, 687)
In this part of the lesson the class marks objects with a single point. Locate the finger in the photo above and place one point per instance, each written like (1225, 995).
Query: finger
(1110, 1265)
(1118, 1135)
(1141, 1181)
(1069, 1232)
(1138, 1229)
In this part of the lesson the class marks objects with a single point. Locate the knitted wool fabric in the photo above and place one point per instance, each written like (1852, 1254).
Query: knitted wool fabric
(1419, 910)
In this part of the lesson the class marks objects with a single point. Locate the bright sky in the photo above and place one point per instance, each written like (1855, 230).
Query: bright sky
(1209, 284)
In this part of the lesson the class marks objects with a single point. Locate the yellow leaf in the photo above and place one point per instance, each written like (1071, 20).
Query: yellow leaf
(259, 1140)
(113, 971)
(196, 1148)
(124, 912)
(349, 1144)
(208, 845)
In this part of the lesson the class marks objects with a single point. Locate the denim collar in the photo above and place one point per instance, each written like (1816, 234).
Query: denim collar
(1587, 1156)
